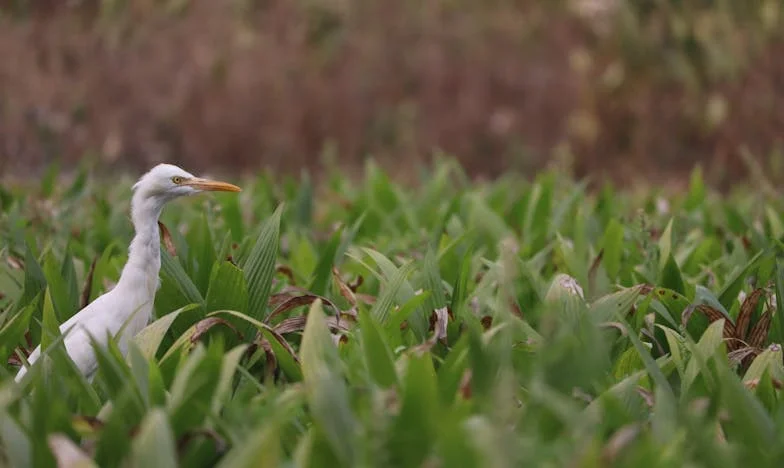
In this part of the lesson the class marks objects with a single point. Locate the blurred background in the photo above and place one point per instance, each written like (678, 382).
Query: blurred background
(626, 89)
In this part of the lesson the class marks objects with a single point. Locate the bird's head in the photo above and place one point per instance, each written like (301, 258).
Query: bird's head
(166, 182)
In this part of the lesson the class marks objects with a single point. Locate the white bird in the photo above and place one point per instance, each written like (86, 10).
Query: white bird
(131, 300)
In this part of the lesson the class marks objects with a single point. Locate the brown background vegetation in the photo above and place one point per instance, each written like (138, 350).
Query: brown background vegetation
(502, 85)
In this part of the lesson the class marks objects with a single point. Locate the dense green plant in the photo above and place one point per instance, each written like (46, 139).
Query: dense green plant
(364, 323)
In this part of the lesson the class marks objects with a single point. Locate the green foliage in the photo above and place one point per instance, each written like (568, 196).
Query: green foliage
(513, 323)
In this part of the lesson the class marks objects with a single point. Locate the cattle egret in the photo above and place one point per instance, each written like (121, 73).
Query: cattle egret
(128, 306)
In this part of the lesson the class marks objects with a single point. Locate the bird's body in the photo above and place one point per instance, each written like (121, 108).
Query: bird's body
(128, 306)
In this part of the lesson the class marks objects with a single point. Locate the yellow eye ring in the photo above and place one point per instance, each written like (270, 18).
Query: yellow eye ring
(177, 180)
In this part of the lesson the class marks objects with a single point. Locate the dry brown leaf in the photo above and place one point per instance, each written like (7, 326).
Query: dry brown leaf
(759, 333)
(290, 303)
(166, 239)
(746, 311)
(345, 290)
(729, 328)
(442, 320)
(204, 325)
(287, 272)
(357, 283)
(297, 324)
(282, 341)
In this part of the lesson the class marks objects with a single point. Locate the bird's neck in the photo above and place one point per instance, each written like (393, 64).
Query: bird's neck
(144, 257)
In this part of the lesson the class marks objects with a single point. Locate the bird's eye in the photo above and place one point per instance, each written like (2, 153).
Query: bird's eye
(177, 180)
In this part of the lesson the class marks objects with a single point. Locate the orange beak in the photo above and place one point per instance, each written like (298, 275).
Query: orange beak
(211, 185)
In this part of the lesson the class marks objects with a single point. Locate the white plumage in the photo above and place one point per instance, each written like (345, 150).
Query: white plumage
(131, 300)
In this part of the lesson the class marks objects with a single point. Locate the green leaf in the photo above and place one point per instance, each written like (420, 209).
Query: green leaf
(51, 327)
(172, 268)
(228, 369)
(414, 430)
(34, 279)
(612, 243)
(327, 394)
(16, 444)
(323, 271)
(378, 356)
(259, 267)
(671, 276)
(154, 445)
(433, 282)
(385, 302)
(665, 245)
(710, 341)
(260, 448)
(149, 339)
(229, 291)
(734, 284)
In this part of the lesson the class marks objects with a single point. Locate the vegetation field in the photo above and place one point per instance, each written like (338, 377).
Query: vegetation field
(360, 322)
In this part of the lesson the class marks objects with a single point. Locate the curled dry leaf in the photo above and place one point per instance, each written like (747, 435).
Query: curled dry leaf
(290, 303)
(285, 302)
(441, 320)
(743, 355)
(297, 324)
(746, 311)
(287, 272)
(759, 333)
(204, 325)
(271, 362)
(356, 284)
(166, 239)
(345, 290)
(282, 341)
(714, 314)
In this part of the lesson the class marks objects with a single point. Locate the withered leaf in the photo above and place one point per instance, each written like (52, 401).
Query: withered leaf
(287, 272)
(166, 239)
(746, 311)
(297, 324)
(345, 290)
(759, 333)
(357, 283)
(729, 328)
(204, 325)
